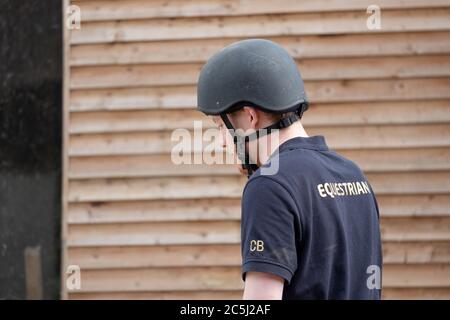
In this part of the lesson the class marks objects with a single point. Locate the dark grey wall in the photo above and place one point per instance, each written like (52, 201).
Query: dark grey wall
(30, 145)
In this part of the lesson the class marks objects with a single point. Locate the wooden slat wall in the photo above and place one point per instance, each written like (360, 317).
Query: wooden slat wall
(142, 228)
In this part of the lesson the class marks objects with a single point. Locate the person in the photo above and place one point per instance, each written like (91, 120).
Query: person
(309, 227)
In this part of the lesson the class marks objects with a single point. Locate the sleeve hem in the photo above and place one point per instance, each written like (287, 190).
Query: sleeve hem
(267, 266)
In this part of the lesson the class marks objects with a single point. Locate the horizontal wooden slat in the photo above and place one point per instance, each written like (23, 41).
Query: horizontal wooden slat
(414, 205)
(230, 209)
(182, 51)
(402, 112)
(133, 98)
(435, 182)
(388, 136)
(142, 166)
(228, 255)
(222, 232)
(318, 115)
(146, 211)
(259, 26)
(416, 293)
(376, 160)
(311, 69)
(318, 92)
(421, 275)
(122, 143)
(228, 232)
(229, 278)
(165, 295)
(155, 256)
(128, 121)
(378, 90)
(162, 279)
(155, 188)
(416, 229)
(134, 76)
(144, 9)
(416, 252)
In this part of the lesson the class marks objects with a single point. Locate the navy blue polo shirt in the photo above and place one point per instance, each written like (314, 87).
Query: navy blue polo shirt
(315, 223)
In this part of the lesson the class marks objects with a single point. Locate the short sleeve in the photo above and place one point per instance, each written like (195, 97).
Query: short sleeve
(268, 234)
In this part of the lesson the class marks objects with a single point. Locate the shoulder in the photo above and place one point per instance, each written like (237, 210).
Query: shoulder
(267, 193)
(264, 184)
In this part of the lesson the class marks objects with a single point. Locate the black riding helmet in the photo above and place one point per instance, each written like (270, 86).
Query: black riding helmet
(257, 73)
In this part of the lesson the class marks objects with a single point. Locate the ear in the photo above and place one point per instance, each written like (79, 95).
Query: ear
(253, 116)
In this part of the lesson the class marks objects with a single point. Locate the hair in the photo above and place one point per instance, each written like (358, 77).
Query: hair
(277, 117)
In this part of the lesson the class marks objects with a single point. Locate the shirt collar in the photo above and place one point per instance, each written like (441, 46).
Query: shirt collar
(313, 143)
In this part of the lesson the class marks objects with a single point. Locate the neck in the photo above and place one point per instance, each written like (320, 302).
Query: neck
(269, 146)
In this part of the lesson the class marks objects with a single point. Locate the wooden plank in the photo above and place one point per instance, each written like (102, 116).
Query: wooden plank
(142, 166)
(338, 91)
(414, 205)
(403, 112)
(231, 186)
(166, 295)
(230, 209)
(162, 279)
(392, 112)
(416, 252)
(420, 275)
(259, 26)
(122, 143)
(375, 90)
(133, 98)
(161, 233)
(385, 160)
(144, 9)
(416, 293)
(388, 136)
(376, 160)
(228, 255)
(228, 232)
(416, 229)
(383, 136)
(148, 211)
(155, 256)
(205, 232)
(156, 188)
(436, 182)
(300, 47)
(138, 120)
(229, 278)
(134, 76)
(312, 69)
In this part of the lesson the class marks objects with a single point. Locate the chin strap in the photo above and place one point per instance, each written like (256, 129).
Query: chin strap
(240, 141)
